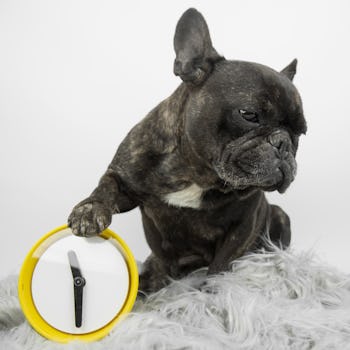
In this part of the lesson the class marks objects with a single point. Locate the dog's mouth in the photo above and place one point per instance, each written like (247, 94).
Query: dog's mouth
(269, 164)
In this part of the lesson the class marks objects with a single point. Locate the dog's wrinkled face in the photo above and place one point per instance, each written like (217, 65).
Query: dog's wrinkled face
(246, 120)
(243, 119)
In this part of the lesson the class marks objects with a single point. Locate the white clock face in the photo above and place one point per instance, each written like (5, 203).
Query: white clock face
(103, 270)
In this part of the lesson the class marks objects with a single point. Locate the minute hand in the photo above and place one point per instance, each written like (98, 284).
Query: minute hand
(79, 283)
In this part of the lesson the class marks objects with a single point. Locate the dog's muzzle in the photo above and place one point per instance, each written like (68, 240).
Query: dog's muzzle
(285, 154)
(264, 161)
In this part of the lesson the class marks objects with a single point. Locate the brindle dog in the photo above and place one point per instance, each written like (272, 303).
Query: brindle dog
(198, 164)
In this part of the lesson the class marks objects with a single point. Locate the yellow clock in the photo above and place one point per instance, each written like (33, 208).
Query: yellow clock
(74, 288)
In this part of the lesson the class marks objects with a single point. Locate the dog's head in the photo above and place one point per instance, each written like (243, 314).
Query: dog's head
(242, 119)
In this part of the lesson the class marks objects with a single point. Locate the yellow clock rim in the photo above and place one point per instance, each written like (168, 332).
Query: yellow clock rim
(35, 319)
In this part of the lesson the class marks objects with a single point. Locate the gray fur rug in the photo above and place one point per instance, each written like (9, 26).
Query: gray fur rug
(277, 300)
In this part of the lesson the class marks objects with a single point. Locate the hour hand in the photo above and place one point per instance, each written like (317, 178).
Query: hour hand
(79, 283)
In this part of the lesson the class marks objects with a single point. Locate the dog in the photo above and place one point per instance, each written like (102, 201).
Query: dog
(199, 163)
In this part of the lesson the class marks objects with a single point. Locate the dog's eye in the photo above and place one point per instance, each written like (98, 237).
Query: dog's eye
(249, 116)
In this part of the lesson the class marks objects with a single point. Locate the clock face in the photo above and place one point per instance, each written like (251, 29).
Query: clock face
(77, 286)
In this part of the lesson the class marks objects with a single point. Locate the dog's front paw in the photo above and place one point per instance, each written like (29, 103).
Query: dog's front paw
(89, 218)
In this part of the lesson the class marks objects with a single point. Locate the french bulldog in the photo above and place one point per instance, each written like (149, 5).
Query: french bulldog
(199, 163)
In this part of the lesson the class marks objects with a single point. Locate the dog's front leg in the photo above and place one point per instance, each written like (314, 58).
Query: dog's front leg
(237, 242)
(231, 248)
(92, 215)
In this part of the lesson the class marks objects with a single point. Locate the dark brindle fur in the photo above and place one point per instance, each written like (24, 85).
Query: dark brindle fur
(198, 164)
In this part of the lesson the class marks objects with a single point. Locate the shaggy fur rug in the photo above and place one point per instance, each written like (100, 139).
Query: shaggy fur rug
(270, 300)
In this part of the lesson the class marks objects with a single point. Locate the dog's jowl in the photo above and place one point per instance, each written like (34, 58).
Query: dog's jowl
(198, 164)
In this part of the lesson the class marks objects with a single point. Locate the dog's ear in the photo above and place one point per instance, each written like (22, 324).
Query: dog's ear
(290, 70)
(195, 55)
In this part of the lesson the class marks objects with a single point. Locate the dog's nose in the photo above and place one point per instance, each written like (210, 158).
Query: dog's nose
(280, 140)
(275, 139)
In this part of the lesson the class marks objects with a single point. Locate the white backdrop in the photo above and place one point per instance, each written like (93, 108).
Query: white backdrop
(75, 76)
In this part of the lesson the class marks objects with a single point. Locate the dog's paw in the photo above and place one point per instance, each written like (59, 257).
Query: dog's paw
(89, 219)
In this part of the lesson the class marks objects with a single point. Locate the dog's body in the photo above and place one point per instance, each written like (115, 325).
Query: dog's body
(198, 164)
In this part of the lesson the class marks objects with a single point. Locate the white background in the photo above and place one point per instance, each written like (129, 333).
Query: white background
(75, 76)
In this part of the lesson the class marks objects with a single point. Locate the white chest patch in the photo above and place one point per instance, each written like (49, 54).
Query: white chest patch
(189, 197)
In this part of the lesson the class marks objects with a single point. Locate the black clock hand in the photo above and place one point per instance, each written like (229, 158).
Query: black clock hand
(79, 283)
